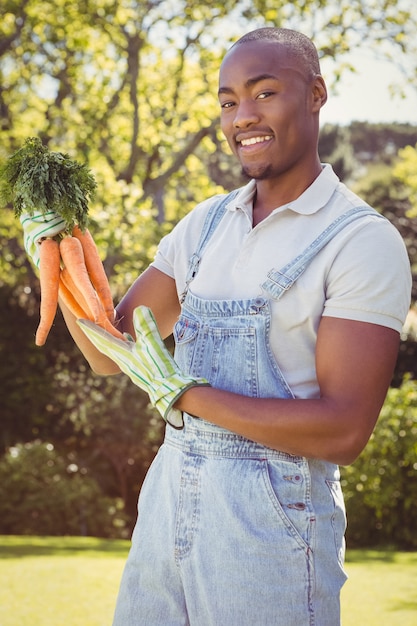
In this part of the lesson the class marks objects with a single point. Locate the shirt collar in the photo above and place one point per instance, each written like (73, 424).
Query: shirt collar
(316, 196)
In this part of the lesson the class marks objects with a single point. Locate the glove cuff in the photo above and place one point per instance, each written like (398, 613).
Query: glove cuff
(38, 226)
(165, 405)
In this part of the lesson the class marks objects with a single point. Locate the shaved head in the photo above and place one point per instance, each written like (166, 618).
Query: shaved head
(297, 45)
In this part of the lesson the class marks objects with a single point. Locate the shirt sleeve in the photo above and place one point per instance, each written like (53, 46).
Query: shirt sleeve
(175, 249)
(162, 260)
(370, 279)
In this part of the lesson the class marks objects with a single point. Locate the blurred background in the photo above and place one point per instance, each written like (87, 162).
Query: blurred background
(129, 88)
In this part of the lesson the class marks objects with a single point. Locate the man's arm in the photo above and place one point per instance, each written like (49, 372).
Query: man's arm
(153, 289)
(354, 362)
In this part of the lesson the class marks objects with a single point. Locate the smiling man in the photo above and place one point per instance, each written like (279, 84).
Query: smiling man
(277, 137)
(286, 299)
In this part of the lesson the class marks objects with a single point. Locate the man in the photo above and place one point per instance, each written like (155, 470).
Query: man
(286, 302)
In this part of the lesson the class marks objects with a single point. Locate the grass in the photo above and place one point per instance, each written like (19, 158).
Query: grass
(381, 590)
(73, 581)
(59, 581)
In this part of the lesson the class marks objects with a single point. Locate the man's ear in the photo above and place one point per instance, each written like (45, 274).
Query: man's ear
(319, 92)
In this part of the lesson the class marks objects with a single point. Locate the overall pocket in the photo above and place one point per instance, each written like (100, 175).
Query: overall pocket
(288, 487)
(221, 350)
(185, 334)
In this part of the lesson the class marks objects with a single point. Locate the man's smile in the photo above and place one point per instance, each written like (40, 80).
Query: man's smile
(250, 141)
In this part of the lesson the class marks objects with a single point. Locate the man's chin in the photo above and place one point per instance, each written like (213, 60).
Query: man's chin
(256, 173)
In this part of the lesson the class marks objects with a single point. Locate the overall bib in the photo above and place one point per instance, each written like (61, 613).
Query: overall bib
(230, 532)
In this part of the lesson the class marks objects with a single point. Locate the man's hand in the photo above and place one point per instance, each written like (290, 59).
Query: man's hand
(147, 362)
(37, 227)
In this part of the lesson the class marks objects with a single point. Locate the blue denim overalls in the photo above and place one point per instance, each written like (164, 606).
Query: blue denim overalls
(230, 532)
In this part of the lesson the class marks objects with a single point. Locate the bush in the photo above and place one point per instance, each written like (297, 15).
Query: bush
(43, 493)
(381, 486)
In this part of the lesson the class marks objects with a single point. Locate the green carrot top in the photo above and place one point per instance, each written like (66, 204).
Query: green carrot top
(35, 179)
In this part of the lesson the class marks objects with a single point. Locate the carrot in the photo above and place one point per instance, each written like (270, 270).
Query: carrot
(73, 257)
(71, 303)
(107, 325)
(96, 270)
(76, 294)
(77, 304)
(74, 297)
(49, 269)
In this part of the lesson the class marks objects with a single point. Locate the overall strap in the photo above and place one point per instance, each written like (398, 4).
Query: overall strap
(212, 220)
(280, 281)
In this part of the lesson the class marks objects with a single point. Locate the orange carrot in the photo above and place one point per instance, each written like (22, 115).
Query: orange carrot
(96, 270)
(76, 301)
(70, 302)
(107, 325)
(73, 257)
(71, 286)
(49, 269)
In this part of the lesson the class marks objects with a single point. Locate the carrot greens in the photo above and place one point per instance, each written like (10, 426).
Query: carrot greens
(35, 179)
(39, 182)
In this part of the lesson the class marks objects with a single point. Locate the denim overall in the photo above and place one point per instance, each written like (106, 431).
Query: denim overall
(230, 532)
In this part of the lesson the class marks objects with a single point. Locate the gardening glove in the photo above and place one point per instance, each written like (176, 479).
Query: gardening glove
(147, 362)
(37, 227)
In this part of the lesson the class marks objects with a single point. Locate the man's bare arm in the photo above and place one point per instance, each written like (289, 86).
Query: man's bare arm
(355, 362)
(153, 289)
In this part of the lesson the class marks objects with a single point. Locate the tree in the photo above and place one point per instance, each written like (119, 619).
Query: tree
(382, 187)
(335, 147)
(129, 87)
(406, 172)
(381, 142)
(381, 486)
(385, 191)
(43, 493)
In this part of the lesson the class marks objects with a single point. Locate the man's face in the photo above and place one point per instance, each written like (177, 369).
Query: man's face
(266, 101)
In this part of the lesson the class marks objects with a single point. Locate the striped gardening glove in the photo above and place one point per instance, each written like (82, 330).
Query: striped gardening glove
(147, 362)
(37, 227)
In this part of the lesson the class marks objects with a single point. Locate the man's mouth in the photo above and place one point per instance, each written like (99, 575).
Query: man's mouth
(251, 141)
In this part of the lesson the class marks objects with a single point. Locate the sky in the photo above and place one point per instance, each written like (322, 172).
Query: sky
(365, 96)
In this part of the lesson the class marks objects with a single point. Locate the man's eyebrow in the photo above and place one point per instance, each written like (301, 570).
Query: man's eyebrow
(257, 79)
(250, 82)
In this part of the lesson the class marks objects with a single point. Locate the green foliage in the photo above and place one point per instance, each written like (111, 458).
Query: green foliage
(381, 186)
(25, 374)
(131, 87)
(381, 486)
(336, 148)
(406, 171)
(384, 140)
(42, 492)
(109, 424)
(34, 179)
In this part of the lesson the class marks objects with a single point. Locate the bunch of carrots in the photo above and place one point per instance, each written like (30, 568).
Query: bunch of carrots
(71, 269)
(35, 179)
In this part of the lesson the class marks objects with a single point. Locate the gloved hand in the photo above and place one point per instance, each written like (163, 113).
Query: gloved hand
(37, 227)
(147, 362)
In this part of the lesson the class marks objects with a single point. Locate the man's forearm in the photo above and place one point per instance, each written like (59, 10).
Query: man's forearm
(98, 362)
(313, 428)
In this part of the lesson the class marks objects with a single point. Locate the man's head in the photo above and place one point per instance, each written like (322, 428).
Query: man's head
(271, 92)
(299, 46)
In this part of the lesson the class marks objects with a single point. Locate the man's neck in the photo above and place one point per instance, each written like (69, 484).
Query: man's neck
(271, 194)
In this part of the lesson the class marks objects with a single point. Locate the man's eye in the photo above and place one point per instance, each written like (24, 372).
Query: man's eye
(226, 105)
(264, 94)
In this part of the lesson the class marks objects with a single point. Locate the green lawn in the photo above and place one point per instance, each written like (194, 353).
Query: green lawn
(59, 581)
(72, 581)
(381, 589)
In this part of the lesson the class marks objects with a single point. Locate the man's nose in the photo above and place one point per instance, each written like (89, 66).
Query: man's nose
(246, 114)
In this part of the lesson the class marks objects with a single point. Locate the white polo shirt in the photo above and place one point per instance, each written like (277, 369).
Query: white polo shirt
(362, 274)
